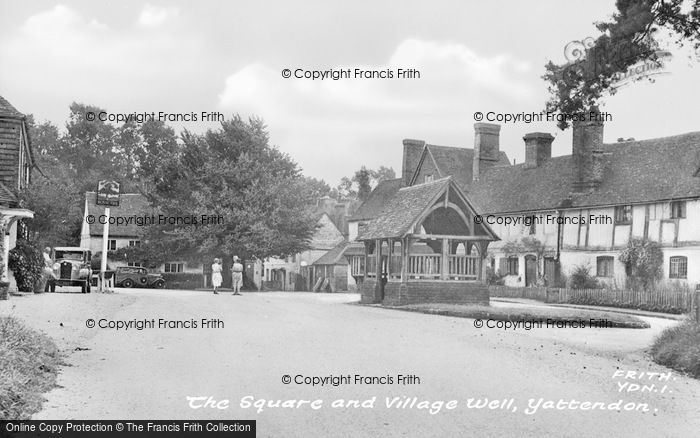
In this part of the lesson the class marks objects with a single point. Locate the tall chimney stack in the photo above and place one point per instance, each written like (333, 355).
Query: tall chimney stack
(538, 148)
(486, 147)
(587, 153)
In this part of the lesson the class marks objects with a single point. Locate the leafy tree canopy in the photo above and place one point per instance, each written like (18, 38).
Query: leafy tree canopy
(255, 195)
(631, 35)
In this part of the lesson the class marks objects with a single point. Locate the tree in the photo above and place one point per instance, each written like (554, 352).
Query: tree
(364, 187)
(362, 183)
(254, 197)
(632, 35)
(643, 261)
(71, 163)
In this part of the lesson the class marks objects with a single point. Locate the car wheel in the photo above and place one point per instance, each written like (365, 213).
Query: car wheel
(128, 283)
(159, 284)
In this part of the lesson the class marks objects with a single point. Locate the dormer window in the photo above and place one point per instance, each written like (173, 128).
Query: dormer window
(429, 178)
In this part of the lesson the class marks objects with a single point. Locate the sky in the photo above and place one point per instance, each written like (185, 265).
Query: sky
(228, 57)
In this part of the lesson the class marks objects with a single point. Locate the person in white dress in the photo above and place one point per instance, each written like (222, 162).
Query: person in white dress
(216, 277)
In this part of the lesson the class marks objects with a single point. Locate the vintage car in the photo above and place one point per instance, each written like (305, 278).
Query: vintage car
(127, 276)
(71, 267)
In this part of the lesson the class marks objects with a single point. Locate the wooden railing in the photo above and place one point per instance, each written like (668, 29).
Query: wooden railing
(424, 266)
(463, 267)
(371, 266)
(395, 266)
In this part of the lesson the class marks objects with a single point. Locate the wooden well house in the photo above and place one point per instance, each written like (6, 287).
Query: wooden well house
(426, 246)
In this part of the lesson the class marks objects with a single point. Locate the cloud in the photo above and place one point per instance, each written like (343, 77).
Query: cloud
(60, 55)
(152, 16)
(362, 121)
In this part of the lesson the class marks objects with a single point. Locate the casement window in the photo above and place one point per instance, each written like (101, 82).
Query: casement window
(111, 244)
(605, 266)
(512, 266)
(174, 267)
(678, 267)
(623, 214)
(677, 209)
(136, 265)
(134, 242)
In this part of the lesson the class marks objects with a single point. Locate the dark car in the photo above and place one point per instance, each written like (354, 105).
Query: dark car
(128, 276)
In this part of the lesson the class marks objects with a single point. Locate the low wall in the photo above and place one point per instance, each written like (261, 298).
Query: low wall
(398, 294)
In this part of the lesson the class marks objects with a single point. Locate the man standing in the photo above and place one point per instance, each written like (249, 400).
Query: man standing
(236, 275)
(47, 272)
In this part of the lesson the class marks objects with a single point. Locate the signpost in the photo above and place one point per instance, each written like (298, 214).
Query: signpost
(107, 195)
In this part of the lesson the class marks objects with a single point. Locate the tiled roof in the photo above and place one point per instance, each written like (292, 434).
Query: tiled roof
(402, 210)
(335, 255)
(130, 204)
(7, 196)
(377, 200)
(635, 172)
(7, 110)
(458, 162)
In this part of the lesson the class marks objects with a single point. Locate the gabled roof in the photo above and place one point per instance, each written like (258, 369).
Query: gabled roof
(334, 256)
(409, 205)
(7, 110)
(455, 161)
(377, 200)
(130, 204)
(403, 209)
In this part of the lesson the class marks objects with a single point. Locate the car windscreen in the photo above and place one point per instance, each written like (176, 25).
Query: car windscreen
(68, 255)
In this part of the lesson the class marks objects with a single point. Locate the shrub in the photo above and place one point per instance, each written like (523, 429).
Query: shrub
(679, 348)
(182, 280)
(29, 363)
(27, 263)
(643, 261)
(581, 278)
(494, 278)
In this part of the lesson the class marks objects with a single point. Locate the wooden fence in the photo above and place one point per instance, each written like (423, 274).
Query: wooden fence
(670, 301)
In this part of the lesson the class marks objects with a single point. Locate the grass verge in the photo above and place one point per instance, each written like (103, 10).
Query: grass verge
(679, 348)
(29, 363)
(514, 314)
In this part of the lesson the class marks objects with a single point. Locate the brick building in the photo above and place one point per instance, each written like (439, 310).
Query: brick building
(629, 189)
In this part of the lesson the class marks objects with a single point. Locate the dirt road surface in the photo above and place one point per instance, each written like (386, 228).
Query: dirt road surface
(150, 373)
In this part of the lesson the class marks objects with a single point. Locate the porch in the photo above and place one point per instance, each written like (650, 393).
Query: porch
(425, 247)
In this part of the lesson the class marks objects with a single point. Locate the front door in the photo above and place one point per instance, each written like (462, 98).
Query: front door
(530, 270)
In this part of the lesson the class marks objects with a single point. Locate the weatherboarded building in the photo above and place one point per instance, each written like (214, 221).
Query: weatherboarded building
(16, 163)
(550, 215)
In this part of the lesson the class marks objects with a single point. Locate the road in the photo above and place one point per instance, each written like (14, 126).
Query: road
(148, 374)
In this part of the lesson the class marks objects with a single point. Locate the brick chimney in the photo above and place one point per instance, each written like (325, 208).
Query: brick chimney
(587, 154)
(538, 148)
(486, 147)
(412, 150)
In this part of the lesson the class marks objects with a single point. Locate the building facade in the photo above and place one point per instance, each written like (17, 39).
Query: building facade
(553, 214)
(16, 164)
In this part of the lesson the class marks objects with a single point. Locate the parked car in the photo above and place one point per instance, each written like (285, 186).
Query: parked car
(71, 267)
(128, 276)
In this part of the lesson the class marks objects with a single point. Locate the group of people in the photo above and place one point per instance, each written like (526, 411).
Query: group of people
(236, 275)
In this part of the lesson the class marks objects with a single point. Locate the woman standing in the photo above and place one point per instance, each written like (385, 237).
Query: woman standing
(216, 277)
